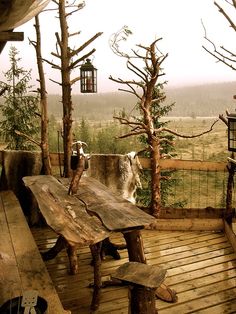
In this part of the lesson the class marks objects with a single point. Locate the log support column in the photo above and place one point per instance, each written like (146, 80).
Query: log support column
(72, 255)
(96, 253)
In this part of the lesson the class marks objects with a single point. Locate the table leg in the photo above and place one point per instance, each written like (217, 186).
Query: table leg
(96, 254)
(73, 260)
(135, 246)
(109, 248)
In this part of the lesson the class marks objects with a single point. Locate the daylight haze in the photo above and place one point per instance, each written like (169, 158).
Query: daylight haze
(178, 23)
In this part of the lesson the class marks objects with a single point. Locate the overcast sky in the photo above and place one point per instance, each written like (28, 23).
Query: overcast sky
(178, 23)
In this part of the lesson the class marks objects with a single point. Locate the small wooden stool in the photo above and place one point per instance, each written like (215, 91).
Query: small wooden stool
(143, 280)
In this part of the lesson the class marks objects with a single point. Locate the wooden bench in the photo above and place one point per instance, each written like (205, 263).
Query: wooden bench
(21, 265)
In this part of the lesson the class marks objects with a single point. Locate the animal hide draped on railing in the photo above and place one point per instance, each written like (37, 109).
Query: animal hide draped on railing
(118, 172)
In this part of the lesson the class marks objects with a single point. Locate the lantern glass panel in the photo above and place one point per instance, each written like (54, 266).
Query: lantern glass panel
(88, 78)
(232, 134)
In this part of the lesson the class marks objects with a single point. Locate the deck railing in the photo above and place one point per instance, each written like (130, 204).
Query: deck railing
(197, 184)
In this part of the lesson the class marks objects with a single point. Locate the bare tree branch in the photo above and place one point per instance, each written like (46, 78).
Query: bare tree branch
(216, 54)
(132, 67)
(131, 123)
(55, 82)
(28, 138)
(119, 80)
(132, 91)
(229, 52)
(74, 64)
(163, 129)
(76, 79)
(58, 39)
(116, 38)
(221, 10)
(222, 118)
(54, 66)
(132, 134)
(88, 42)
(74, 34)
(55, 55)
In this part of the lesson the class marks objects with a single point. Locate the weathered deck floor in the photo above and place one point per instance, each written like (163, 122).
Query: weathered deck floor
(201, 268)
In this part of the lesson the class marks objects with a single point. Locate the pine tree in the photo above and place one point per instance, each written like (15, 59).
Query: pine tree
(19, 109)
(159, 110)
(84, 132)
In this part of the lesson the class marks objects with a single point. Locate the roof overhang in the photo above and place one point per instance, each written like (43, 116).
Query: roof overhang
(14, 13)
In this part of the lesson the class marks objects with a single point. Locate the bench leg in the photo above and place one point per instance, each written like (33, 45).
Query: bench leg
(96, 253)
(141, 300)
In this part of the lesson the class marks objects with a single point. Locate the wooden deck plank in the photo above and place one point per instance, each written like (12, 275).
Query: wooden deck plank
(204, 280)
(203, 303)
(188, 244)
(201, 267)
(183, 277)
(208, 290)
(226, 308)
(188, 253)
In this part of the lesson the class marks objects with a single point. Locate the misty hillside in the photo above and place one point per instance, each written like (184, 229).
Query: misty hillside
(201, 100)
(191, 101)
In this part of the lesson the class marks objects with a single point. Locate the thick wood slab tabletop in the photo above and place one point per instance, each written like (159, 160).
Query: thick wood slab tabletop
(64, 213)
(116, 213)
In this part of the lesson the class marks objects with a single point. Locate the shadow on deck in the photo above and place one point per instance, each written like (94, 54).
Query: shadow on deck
(201, 267)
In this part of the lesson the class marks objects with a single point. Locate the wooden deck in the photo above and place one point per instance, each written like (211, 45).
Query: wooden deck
(201, 267)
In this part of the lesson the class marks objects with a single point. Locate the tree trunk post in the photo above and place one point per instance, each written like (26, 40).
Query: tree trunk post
(135, 247)
(229, 195)
(142, 300)
(156, 178)
(47, 169)
(66, 89)
(96, 254)
(72, 255)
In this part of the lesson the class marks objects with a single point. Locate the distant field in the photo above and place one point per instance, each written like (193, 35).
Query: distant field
(211, 146)
(199, 189)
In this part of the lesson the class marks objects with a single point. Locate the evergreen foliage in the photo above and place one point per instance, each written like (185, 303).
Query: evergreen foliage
(159, 109)
(19, 109)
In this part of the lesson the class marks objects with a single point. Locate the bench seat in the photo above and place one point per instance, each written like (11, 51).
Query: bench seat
(21, 265)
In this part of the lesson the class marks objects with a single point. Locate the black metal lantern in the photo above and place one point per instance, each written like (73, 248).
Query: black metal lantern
(88, 78)
(232, 132)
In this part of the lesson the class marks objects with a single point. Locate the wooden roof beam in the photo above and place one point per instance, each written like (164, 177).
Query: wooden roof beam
(11, 36)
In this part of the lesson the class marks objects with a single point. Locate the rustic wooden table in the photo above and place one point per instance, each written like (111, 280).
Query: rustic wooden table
(88, 218)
